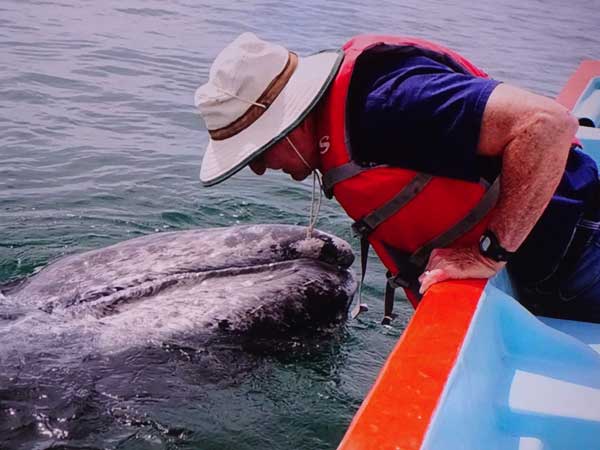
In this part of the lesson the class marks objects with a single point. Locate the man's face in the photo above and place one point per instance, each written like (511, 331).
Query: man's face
(282, 156)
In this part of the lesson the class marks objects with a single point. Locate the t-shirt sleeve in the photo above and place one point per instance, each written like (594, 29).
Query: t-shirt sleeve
(422, 115)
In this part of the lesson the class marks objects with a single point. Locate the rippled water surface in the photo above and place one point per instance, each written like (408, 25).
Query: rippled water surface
(99, 142)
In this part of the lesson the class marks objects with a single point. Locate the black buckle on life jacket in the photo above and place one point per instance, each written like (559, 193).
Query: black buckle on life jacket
(397, 281)
(361, 228)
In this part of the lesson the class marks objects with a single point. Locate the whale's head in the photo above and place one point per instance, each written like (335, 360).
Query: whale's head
(258, 279)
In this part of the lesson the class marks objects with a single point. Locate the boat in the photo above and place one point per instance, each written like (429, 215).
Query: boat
(475, 370)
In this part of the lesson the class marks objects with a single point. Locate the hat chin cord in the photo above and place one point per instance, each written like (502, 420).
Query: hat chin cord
(315, 201)
(231, 94)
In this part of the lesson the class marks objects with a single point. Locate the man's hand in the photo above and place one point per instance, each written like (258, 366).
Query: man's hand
(457, 263)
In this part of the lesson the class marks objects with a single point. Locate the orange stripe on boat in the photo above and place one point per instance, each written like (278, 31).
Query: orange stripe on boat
(397, 412)
(578, 82)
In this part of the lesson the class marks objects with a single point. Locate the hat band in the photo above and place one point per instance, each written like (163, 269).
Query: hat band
(266, 99)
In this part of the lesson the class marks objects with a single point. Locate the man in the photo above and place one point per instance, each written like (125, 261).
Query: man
(445, 171)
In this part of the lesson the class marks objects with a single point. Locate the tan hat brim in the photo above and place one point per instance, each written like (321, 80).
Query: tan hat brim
(305, 88)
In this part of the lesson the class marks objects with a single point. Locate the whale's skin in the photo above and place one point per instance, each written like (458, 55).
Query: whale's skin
(255, 280)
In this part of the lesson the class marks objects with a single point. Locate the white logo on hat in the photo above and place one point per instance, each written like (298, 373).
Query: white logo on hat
(324, 144)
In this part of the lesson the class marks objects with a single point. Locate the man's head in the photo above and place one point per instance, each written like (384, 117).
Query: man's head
(257, 94)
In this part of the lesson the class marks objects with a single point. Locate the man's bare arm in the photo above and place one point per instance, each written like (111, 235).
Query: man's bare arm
(533, 135)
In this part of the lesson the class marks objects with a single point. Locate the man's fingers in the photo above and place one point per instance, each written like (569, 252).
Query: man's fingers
(430, 277)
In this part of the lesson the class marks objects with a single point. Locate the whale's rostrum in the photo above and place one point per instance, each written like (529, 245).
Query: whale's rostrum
(257, 279)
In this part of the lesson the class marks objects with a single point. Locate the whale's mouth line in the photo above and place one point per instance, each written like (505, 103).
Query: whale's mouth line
(104, 302)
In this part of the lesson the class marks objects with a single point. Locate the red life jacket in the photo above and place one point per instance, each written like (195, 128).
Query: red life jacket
(403, 214)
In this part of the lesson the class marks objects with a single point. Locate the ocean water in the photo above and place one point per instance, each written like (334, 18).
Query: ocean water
(100, 142)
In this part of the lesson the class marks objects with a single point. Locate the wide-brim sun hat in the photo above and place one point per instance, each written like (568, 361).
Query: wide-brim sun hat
(257, 92)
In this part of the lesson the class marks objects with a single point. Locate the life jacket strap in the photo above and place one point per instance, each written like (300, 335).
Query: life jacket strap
(360, 307)
(343, 172)
(390, 293)
(371, 221)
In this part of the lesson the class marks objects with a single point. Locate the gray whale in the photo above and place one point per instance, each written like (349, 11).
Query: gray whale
(257, 279)
(109, 342)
